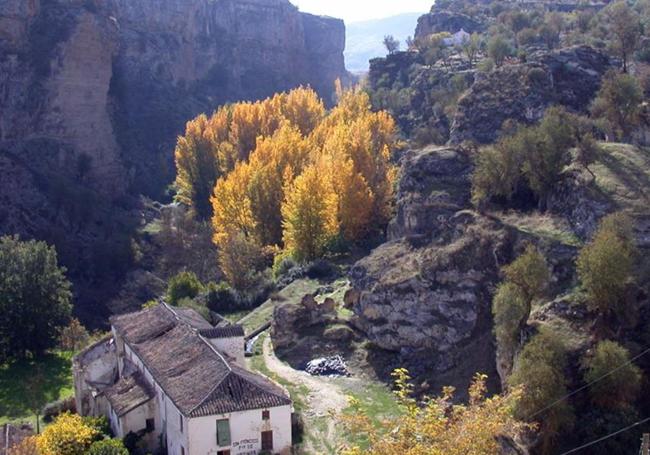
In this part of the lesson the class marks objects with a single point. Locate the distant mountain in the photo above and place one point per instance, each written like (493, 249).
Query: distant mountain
(365, 39)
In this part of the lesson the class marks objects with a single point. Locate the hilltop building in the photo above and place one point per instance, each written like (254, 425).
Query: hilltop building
(172, 378)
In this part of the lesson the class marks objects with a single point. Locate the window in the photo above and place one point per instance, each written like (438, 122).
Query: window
(223, 452)
(267, 440)
(182, 450)
(151, 425)
(266, 415)
(181, 422)
(223, 433)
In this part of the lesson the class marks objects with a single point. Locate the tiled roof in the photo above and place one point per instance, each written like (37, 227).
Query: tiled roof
(228, 331)
(128, 393)
(197, 378)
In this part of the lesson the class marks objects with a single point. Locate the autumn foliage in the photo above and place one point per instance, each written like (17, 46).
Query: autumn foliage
(284, 173)
(439, 427)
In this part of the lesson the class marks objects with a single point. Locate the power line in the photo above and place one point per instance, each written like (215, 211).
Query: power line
(611, 435)
(586, 386)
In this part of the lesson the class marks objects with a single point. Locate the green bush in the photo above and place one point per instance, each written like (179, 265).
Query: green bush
(183, 285)
(540, 370)
(605, 266)
(100, 424)
(221, 297)
(509, 310)
(619, 389)
(108, 447)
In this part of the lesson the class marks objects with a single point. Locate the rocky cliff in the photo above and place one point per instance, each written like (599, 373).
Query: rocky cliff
(425, 294)
(94, 92)
(569, 77)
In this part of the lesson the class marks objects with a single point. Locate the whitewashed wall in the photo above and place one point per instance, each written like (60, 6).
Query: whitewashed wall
(245, 432)
(232, 347)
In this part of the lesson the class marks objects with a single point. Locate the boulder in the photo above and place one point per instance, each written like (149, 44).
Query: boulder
(291, 321)
(328, 366)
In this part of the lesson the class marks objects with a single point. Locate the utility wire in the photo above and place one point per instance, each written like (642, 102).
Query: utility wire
(611, 435)
(586, 386)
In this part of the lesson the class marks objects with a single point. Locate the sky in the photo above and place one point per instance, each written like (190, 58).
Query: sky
(361, 10)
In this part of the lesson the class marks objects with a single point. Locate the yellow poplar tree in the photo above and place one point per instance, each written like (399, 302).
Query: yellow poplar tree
(309, 214)
(197, 166)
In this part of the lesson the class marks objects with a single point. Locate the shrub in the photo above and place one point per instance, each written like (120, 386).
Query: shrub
(540, 371)
(282, 264)
(54, 409)
(619, 389)
(68, 435)
(108, 447)
(605, 265)
(529, 272)
(73, 337)
(537, 76)
(221, 297)
(183, 285)
(509, 310)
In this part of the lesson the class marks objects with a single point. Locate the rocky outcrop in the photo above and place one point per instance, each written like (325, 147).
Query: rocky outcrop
(425, 294)
(422, 91)
(95, 92)
(446, 21)
(522, 92)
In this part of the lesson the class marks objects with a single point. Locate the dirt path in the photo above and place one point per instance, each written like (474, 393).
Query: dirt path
(324, 402)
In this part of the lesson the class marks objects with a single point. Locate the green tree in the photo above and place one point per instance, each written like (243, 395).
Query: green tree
(185, 285)
(392, 45)
(509, 309)
(471, 46)
(498, 49)
(540, 371)
(614, 390)
(529, 272)
(34, 298)
(605, 266)
(625, 29)
(526, 280)
(547, 151)
(618, 102)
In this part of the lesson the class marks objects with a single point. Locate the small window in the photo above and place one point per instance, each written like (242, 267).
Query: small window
(181, 422)
(266, 415)
(223, 452)
(267, 440)
(151, 425)
(182, 450)
(223, 433)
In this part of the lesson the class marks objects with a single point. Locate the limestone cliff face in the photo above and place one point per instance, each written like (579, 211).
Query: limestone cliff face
(93, 94)
(425, 294)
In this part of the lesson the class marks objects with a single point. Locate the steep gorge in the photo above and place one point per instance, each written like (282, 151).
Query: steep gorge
(94, 92)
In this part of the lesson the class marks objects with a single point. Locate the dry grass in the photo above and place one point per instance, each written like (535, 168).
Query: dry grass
(623, 176)
(542, 225)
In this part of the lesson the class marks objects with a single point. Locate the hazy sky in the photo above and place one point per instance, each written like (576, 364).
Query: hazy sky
(360, 10)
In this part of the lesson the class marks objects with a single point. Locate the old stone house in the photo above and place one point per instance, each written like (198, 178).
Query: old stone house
(170, 377)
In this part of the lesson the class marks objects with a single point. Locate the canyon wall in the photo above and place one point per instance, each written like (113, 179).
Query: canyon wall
(93, 94)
